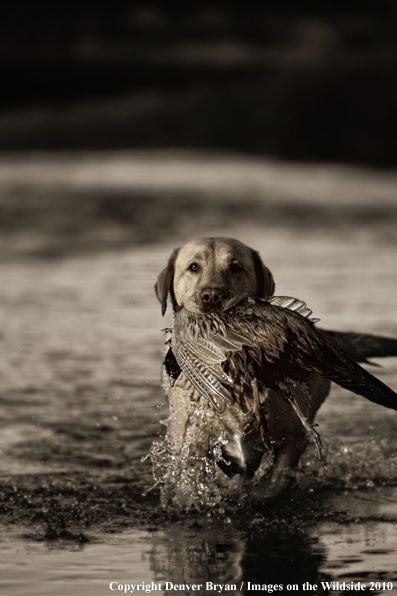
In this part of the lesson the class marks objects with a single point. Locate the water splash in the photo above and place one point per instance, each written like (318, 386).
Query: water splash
(350, 466)
(189, 482)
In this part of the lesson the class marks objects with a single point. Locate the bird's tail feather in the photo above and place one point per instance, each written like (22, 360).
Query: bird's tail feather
(359, 346)
(363, 383)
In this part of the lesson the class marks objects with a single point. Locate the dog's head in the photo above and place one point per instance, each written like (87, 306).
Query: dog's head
(207, 274)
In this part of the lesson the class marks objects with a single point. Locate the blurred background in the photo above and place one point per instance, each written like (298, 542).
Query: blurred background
(120, 121)
(297, 80)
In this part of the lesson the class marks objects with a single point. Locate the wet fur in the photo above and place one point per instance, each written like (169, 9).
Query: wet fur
(230, 268)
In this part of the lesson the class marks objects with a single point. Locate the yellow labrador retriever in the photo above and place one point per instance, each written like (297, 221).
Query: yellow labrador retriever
(203, 276)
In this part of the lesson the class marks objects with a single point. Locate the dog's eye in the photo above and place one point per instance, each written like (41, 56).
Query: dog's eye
(235, 268)
(193, 267)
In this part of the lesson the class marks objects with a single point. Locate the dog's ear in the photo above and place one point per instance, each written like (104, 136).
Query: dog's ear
(164, 282)
(265, 281)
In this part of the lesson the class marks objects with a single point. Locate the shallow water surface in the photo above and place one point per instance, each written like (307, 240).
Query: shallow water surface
(81, 404)
(44, 568)
(211, 552)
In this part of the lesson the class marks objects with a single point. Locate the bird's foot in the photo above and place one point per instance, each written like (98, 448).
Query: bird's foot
(313, 434)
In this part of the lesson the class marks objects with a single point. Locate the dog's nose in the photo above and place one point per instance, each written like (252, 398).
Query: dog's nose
(212, 295)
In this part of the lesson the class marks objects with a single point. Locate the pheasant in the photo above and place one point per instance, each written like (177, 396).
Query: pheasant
(234, 357)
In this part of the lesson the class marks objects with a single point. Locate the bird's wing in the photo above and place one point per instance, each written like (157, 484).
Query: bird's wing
(292, 304)
(205, 354)
(299, 343)
(248, 323)
(335, 366)
(203, 350)
(200, 362)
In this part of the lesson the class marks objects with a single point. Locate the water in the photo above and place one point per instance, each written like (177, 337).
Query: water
(81, 404)
(211, 551)
(45, 569)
